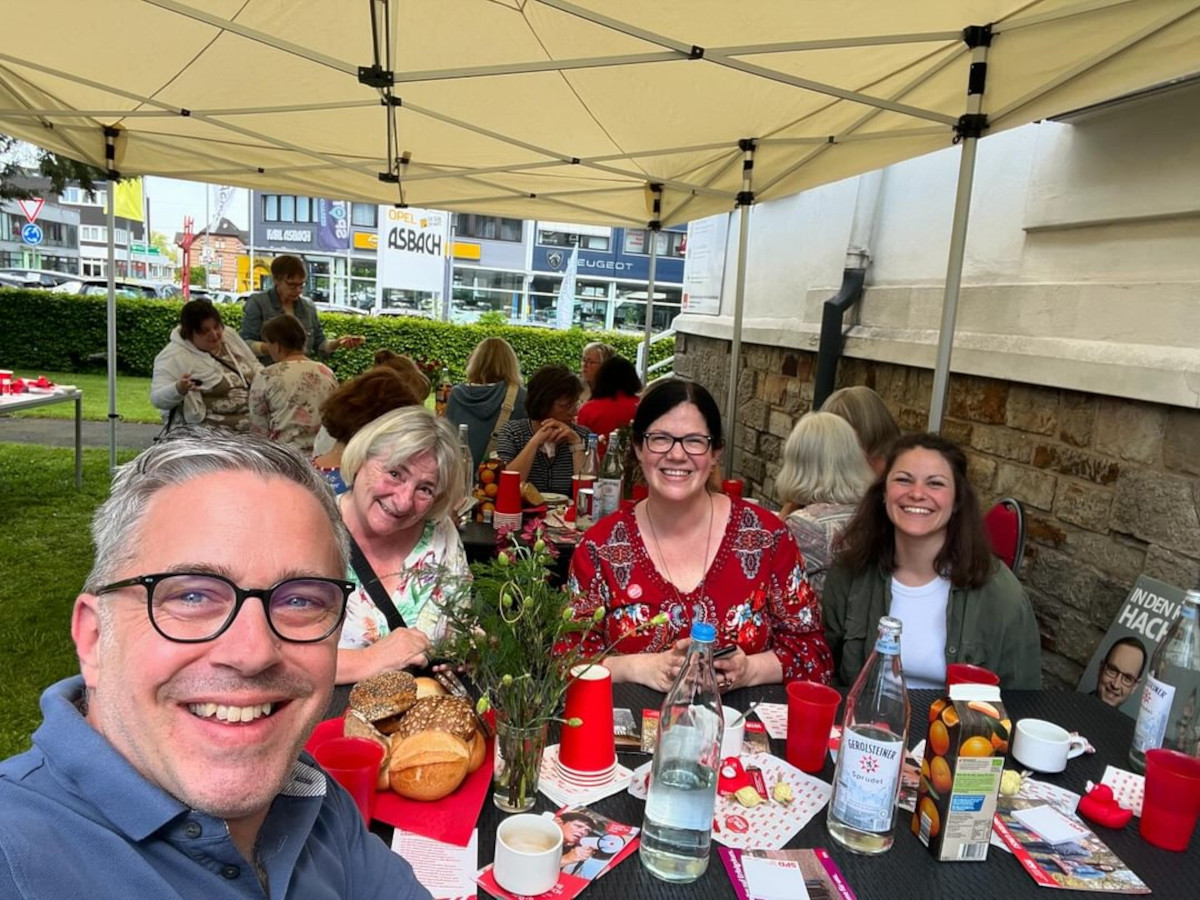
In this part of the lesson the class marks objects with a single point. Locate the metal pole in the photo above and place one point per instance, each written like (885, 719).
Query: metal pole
(970, 129)
(745, 199)
(652, 234)
(112, 324)
(250, 235)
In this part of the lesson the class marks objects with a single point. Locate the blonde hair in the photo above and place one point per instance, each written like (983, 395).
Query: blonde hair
(492, 360)
(402, 434)
(865, 411)
(606, 351)
(823, 463)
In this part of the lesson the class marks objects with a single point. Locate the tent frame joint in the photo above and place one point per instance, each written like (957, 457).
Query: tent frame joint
(970, 125)
(977, 35)
(376, 76)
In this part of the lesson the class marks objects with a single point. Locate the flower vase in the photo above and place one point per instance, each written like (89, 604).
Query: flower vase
(517, 766)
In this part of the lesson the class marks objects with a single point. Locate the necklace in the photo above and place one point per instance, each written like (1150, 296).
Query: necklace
(663, 559)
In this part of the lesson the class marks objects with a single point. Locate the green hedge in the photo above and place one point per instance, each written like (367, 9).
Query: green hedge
(56, 332)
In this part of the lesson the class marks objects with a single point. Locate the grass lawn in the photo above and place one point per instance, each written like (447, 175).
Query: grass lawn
(45, 557)
(133, 398)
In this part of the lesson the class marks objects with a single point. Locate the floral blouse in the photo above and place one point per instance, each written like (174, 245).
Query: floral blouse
(815, 527)
(285, 402)
(755, 592)
(437, 557)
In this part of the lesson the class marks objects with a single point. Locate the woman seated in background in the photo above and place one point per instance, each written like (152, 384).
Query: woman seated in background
(403, 471)
(286, 398)
(412, 377)
(614, 397)
(352, 406)
(593, 356)
(696, 555)
(204, 373)
(546, 448)
(916, 550)
(865, 411)
(491, 397)
(824, 475)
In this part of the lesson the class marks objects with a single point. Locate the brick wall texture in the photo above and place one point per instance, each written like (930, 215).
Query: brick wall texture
(1111, 487)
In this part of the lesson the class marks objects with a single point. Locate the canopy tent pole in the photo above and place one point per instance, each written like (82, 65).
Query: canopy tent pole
(745, 201)
(970, 128)
(110, 152)
(652, 229)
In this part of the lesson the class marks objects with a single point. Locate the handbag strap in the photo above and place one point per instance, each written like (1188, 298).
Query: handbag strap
(371, 583)
(506, 408)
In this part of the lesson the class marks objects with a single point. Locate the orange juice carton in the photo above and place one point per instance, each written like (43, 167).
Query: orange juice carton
(960, 775)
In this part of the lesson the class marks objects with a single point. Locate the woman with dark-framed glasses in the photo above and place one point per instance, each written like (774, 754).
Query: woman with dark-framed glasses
(696, 555)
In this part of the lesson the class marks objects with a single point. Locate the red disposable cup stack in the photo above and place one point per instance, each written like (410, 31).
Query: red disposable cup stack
(588, 749)
(508, 496)
(965, 673)
(325, 731)
(354, 764)
(811, 711)
(1172, 800)
(732, 486)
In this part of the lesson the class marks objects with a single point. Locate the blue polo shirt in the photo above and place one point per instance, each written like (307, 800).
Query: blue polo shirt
(77, 820)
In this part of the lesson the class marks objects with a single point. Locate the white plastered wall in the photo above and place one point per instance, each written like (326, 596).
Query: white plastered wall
(1082, 265)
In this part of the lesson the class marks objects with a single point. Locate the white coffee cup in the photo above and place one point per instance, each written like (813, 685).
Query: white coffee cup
(1044, 746)
(528, 852)
(731, 737)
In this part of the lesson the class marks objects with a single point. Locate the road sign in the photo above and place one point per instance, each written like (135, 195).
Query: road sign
(31, 233)
(31, 208)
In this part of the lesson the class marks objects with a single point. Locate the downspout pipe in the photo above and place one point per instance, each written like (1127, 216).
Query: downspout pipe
(829, 350)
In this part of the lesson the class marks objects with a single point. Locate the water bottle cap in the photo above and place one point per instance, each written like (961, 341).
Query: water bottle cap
(703, 631)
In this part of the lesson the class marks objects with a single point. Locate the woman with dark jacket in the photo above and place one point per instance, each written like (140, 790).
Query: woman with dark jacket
(916, 550)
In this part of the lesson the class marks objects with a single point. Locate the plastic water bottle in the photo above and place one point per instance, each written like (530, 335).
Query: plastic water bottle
(1169, 714)
(862, 809)
(677, 829)
(464, 450)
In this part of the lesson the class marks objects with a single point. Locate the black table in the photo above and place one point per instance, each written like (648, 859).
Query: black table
(907, 870)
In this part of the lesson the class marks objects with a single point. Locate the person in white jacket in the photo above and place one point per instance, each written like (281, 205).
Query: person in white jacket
(204, 372)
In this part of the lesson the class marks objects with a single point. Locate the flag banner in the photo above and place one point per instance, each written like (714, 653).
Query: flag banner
(565, 313)
(129, 200)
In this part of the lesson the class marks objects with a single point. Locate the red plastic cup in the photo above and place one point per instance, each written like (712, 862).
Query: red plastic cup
(1172, 800)
(325, 731)
(354, 764)
(590, 746)
(732, 486)
(965, 673)
(508, 495)
(811, 710)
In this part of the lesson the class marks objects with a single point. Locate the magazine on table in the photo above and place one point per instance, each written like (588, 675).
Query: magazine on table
(1059, 851)
(593, 844)
(1117, 670)
(772, 874)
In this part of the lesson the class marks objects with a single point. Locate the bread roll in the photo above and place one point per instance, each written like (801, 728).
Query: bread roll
(429, 687)
(384, 697)
(439, 714)
(428, 766)
(531, 494)
(355, 724)
(478, 748)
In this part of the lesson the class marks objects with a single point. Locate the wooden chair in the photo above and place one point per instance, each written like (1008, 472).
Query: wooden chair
(1005, 527)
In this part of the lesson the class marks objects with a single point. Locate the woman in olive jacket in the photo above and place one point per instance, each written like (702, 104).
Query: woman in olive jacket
(916, 550)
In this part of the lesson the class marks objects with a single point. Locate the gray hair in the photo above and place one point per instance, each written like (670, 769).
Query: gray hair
(823, 462)
(606, 351)
(398, 436)
(193, 452)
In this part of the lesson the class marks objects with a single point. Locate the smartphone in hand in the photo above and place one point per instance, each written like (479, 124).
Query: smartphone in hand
(727, 650)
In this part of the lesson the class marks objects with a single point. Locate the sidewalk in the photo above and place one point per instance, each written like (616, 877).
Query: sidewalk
(61, 433)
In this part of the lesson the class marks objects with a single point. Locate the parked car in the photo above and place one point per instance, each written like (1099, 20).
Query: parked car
(339, 308)
(38, 277)
(99, 286)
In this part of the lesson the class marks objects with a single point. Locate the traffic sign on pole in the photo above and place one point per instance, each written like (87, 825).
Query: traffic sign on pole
(31, 233)
(31, 208)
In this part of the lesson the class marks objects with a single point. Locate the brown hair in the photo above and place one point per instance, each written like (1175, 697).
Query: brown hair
(407, 370)
(193, 316)
(286, 331)
(866, 412)
(287, 266)
(870, 537)
(549, 384)
(364, 399)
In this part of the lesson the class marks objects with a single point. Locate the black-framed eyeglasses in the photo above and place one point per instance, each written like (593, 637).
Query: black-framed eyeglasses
(194, 607)
(661, 442)
(1123, 678)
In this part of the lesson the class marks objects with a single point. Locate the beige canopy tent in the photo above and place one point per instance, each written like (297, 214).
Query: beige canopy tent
(623, 112)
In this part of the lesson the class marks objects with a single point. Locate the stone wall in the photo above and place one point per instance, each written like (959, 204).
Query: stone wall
(1111, 487)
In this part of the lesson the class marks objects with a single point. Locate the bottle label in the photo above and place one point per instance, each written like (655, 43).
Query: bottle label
(887, 644)
(608, 496)
(1153, 713)
(868, 776)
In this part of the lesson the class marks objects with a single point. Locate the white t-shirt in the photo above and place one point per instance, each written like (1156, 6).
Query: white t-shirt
(923, 641)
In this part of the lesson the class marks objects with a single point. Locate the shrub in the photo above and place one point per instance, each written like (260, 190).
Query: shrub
(58, 332)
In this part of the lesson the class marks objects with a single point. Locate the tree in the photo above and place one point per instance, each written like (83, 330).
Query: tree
(198, 275)
(16, 157)
(164, 245)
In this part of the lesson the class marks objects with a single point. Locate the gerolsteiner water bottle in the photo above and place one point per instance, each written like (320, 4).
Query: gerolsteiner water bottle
(862, 809)
(1169, 714)
(677, 830)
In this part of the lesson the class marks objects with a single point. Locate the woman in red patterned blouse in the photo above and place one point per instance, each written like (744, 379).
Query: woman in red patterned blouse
(695, 554)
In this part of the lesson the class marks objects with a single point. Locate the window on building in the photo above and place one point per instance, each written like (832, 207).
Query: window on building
(122, 238)
(488, 228)
(670, 243)
(364, 215)
(571, 238)
(79, 197)
(270, 207)
(92, 268)
(287, 208)
(304, 210)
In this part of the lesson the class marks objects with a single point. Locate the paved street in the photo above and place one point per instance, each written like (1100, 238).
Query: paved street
(61, 433)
